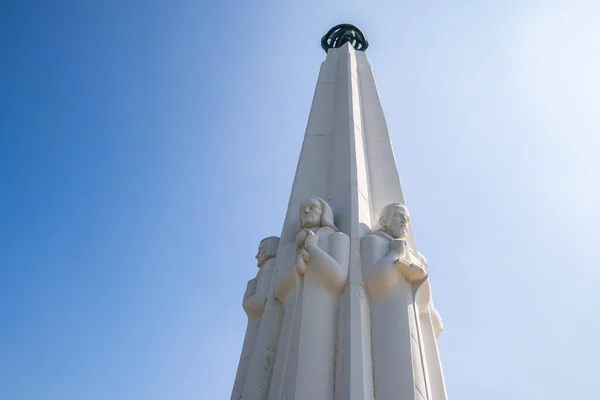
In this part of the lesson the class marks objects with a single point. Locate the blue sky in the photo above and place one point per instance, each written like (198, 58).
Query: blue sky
(147, 147)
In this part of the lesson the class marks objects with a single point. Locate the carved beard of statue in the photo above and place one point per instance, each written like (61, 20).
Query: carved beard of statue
(310, 213)
(395, 220)
(266, 250)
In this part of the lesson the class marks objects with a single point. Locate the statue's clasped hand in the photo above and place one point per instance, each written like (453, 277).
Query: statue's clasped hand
(304, 239)
(301, 261)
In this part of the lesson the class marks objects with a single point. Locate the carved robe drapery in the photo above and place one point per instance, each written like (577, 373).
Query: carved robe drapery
(254, 302)
(431, 327)
(310, 305)
(399, 372)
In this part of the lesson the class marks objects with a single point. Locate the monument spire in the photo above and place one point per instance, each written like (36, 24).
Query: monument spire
(346, 309)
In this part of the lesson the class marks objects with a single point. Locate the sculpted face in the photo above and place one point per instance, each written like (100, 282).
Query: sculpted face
(310, 213)
(262, 254)
(396, 222)
(267, 250)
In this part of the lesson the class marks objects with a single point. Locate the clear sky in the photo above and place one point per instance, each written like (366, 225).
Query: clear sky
(147, 147)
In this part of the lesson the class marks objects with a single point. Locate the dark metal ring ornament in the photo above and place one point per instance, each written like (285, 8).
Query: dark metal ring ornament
(344, 33)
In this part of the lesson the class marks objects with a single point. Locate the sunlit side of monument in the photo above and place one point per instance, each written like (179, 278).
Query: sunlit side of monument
(341, 306)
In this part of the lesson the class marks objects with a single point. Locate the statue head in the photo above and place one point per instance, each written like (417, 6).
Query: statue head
(394, 220)
(315, 213)
(267, 249)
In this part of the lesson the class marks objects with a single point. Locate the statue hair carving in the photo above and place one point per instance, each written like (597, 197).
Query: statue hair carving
(385, 213)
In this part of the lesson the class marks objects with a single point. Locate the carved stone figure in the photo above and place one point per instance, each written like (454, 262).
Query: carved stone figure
(309, 291)
(254, 305)
(390, 267)
(430, 324)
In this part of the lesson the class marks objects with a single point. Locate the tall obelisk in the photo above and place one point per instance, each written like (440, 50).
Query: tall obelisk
(343, 310)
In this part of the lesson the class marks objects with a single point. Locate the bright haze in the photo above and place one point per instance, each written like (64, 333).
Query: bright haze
(147, 147)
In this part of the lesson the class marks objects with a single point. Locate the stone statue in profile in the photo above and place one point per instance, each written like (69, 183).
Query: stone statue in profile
(256, 291)
(309, 292)
(390, 267)
(254, 305)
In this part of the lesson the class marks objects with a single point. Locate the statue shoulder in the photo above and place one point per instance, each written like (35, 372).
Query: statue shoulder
(339, 234)
(326, 231)
(285, 259)
(376, 237)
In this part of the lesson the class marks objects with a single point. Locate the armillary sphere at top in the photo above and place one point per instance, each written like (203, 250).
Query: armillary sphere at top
(344, 33)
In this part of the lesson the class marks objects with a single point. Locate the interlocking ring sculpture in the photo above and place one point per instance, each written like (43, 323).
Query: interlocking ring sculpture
(344, 33)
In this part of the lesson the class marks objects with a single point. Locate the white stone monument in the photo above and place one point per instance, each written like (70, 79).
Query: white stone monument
(342, 309)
